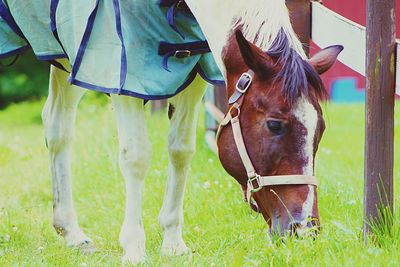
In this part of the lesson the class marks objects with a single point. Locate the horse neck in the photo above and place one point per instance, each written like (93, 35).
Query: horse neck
(215, 18)
(260, 20)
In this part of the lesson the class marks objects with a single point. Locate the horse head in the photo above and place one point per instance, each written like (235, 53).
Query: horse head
(276, 97)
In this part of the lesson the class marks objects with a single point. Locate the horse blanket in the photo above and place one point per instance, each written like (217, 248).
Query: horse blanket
(151, 49)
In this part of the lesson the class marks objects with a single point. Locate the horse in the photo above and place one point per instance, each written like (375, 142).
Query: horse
(267, 141)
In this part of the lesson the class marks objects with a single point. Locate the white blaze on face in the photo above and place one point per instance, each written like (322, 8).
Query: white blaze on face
(307, 115)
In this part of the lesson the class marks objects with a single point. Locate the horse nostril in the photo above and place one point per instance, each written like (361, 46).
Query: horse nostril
(297, 229)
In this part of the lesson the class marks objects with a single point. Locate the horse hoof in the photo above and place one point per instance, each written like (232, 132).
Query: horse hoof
(133, 259)
(77, 239)
(87, 247)
(175, 249)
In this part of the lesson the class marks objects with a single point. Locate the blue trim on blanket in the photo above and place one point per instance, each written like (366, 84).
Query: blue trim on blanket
(57, 64)
(15, 51)
(84, 42)
(119, 91)
(173, 5)
(199, 69)
(171, 19)
(123, 68)
(6, 15)
(53, 23)
(53, 9)
(51, 57)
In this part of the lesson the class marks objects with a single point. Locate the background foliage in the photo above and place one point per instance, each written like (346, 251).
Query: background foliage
(26, 79)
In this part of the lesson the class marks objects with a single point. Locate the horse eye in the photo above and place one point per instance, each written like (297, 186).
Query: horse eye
(275, 126)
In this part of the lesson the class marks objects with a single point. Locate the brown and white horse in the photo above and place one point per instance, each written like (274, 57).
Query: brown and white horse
(281, 126)
(273, 150)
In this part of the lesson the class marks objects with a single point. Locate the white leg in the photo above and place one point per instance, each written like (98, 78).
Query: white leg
(181, 147)
(58, 116)
(135, 155)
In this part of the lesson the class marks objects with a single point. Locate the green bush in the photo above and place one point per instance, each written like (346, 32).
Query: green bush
(27, 79)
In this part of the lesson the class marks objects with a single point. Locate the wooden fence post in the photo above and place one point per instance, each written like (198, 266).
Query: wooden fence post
(379, 114)
(216, 105)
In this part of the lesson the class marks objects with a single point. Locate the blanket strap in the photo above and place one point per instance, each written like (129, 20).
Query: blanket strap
(182, 50)
(174, 5)
(179, 4)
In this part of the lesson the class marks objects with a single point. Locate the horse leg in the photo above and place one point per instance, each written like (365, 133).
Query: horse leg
(134, 158)
(181, 147)
(58, 117)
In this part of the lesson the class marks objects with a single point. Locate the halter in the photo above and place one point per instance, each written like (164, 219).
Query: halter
(255, 181)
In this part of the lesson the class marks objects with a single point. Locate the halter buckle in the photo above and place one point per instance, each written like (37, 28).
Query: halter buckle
(254, 180)
(244, 82)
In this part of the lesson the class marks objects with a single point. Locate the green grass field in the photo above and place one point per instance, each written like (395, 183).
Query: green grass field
(217, 225)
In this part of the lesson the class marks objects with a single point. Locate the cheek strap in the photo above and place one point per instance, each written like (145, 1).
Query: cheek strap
(255, 181)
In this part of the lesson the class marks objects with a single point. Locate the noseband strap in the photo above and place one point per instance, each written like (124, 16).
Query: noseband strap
(255, 181)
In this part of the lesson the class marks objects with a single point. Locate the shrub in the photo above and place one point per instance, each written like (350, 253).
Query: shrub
(27, 79)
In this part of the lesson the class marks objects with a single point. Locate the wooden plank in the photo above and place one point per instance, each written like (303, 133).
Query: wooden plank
(216, 103)
(329, 28)
(214, 112)
(221, 99)
(379, 128)
(211, 142)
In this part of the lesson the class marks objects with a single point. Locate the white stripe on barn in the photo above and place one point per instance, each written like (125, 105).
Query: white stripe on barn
(329, 28)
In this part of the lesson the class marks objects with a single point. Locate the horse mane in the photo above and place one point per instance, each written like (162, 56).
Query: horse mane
(268, 26)
(262, 20)
(296, 73)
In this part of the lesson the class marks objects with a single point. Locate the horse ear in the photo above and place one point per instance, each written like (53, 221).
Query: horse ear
(245, 49)
(253, 56)
(324, 59)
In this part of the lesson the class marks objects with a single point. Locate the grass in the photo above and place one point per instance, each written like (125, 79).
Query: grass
(217, 225)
